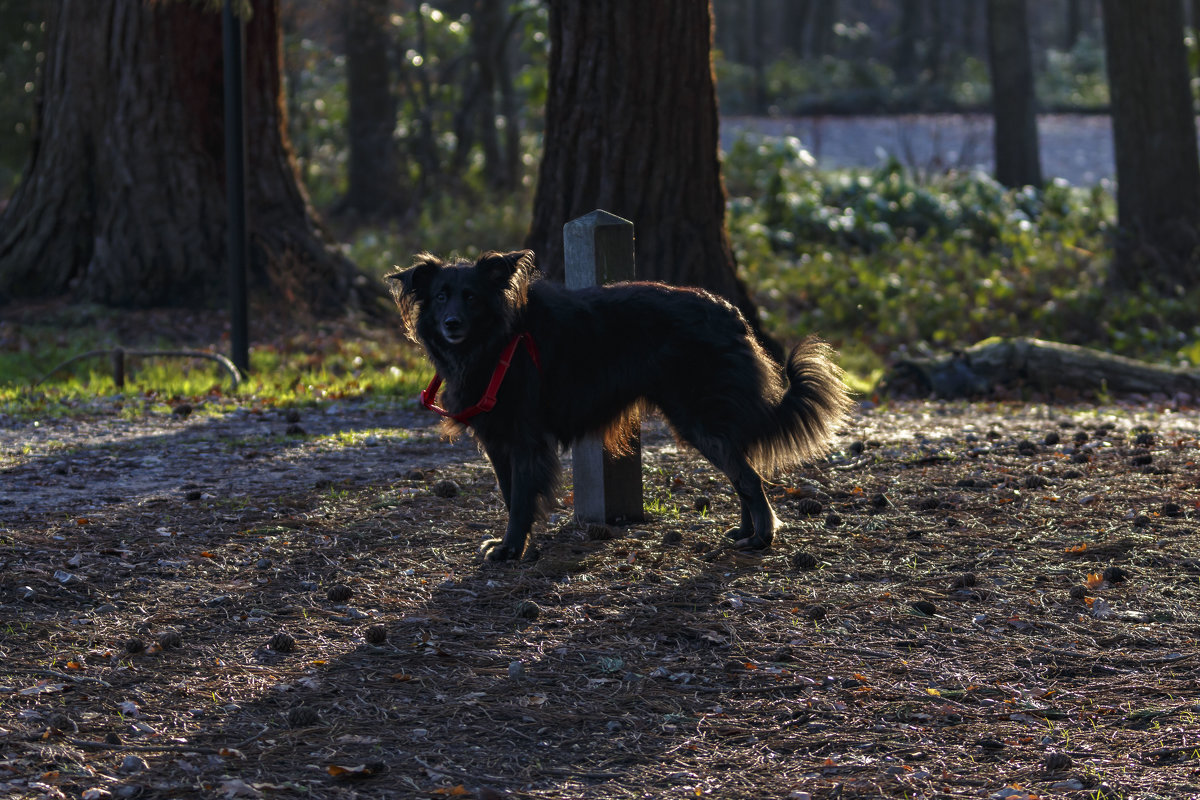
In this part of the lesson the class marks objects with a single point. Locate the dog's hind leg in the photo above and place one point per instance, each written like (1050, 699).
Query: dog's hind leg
(758, 521)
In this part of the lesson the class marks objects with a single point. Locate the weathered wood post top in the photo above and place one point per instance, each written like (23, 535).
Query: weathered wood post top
(598, 249)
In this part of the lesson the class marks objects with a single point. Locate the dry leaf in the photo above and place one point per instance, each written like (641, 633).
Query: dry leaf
(236, 787)
(355, 772)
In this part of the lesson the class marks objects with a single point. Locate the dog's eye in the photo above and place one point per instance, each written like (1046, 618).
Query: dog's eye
(468, 297)
(440, 296)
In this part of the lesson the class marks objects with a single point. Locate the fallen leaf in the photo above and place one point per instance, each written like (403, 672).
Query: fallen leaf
(236, 787)
(355, 772)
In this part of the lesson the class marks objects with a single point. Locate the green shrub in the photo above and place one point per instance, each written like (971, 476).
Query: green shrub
(879, 261)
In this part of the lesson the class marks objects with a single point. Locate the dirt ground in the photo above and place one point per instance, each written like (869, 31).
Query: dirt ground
(969, 600)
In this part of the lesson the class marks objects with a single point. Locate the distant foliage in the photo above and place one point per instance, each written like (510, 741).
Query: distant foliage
(879, 261)
(22, 35)
(432, 65)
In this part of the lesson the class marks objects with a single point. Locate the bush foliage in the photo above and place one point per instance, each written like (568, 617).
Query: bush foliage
(880, 261)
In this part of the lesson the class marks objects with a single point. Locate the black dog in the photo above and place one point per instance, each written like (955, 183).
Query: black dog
(531, 366)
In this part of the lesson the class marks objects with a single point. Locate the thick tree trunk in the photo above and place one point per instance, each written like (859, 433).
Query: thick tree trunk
(631, 128)
(1154, 136)
(374, 181)
(1013, 102)
(123, 200)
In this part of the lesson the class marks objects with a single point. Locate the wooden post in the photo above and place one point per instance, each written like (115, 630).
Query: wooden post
(598, 249)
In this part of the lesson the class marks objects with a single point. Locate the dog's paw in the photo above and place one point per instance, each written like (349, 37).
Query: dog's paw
(497, 550)
(738, 534)
(754, 542)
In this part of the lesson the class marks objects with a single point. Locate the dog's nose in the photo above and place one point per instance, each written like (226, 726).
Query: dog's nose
(452, 323)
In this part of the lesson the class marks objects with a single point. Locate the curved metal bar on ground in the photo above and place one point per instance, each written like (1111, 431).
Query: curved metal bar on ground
(235, 376)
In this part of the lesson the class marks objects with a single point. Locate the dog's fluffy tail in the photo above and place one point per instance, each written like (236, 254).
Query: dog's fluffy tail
(814, 405)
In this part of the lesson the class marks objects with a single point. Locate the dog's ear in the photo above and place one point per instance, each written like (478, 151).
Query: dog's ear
(416, 279)
(500, 268)
(410, 287)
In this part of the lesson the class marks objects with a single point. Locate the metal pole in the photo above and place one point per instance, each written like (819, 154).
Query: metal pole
(235, 186)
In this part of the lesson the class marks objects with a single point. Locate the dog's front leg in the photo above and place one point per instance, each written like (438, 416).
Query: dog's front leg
(522, 508)
(527, 477)
(501, 459)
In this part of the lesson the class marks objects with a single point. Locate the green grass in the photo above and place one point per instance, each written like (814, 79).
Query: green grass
(296, 371)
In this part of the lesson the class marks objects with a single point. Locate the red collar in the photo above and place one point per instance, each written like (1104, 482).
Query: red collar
(488, 401)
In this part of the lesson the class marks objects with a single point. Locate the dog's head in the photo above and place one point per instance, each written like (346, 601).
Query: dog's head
(451, 303)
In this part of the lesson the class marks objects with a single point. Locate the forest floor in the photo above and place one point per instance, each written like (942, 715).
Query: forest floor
(994, 600)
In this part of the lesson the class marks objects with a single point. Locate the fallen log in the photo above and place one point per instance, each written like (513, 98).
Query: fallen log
(1052, 367)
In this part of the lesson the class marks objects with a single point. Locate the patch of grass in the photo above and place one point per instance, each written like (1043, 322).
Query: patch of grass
(299, 369)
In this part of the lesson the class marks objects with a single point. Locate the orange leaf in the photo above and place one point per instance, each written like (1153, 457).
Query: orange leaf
(401, 676)
(452, 791)
(1094, 579)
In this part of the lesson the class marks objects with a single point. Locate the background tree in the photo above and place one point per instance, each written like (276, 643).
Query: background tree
(1013, 101)
(631, 128)
(1154, 138)
(123, 200)
(373, 177)
(489, 108)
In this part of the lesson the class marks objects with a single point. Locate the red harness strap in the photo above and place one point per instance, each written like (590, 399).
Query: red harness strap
(488, 401)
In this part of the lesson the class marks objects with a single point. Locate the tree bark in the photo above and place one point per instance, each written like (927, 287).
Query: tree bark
(1013, 100)
(631, 128)
(373, 188)
(123, 199)
(1154, 138)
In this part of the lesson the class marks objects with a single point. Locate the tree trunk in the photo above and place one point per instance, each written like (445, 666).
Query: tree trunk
(1013, 101)
(908, 34)
(794, 27)
(374, 182)
(123, 200)
(1074, 25)
(489, 43)
(825, 14)
(754, 29)
(1154, 137)
(631, 128)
